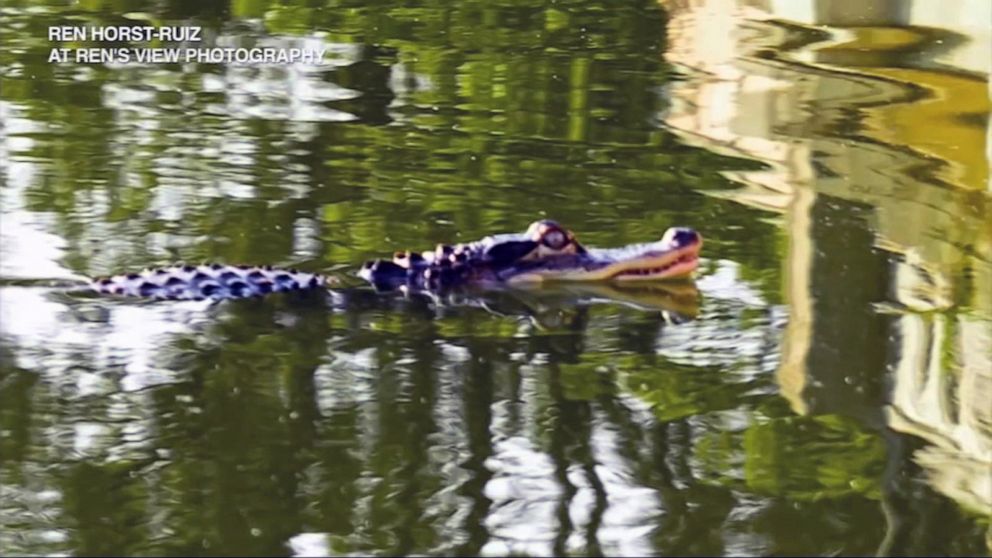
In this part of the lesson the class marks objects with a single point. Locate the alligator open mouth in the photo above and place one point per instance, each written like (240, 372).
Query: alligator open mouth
(675, 255)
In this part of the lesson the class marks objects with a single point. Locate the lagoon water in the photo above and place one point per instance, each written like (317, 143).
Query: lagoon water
(821, 389)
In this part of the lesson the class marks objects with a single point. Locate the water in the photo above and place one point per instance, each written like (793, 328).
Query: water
(821, 389)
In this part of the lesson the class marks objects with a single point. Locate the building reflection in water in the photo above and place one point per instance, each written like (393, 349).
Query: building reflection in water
(886, 207)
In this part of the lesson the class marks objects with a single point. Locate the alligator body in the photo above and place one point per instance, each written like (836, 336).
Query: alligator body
(545, 252)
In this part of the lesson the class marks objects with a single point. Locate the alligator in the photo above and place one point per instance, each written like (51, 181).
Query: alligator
(545, 252)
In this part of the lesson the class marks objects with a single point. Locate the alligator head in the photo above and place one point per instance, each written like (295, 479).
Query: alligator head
(545, 252)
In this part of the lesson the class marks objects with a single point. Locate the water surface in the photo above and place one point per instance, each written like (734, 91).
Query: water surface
(824, 392)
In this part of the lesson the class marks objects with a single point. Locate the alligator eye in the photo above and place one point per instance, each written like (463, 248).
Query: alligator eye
(554, 239)
(549, 234)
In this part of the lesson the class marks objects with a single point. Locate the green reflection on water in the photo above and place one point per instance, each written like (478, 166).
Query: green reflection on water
(393, 426)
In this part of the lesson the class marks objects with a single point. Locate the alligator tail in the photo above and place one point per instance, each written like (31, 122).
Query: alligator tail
(207, 281)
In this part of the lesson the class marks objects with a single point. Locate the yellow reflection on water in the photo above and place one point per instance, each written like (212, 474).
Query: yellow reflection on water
(880, 109)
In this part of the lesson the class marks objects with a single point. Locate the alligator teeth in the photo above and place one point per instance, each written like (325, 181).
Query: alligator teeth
(659, 269)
